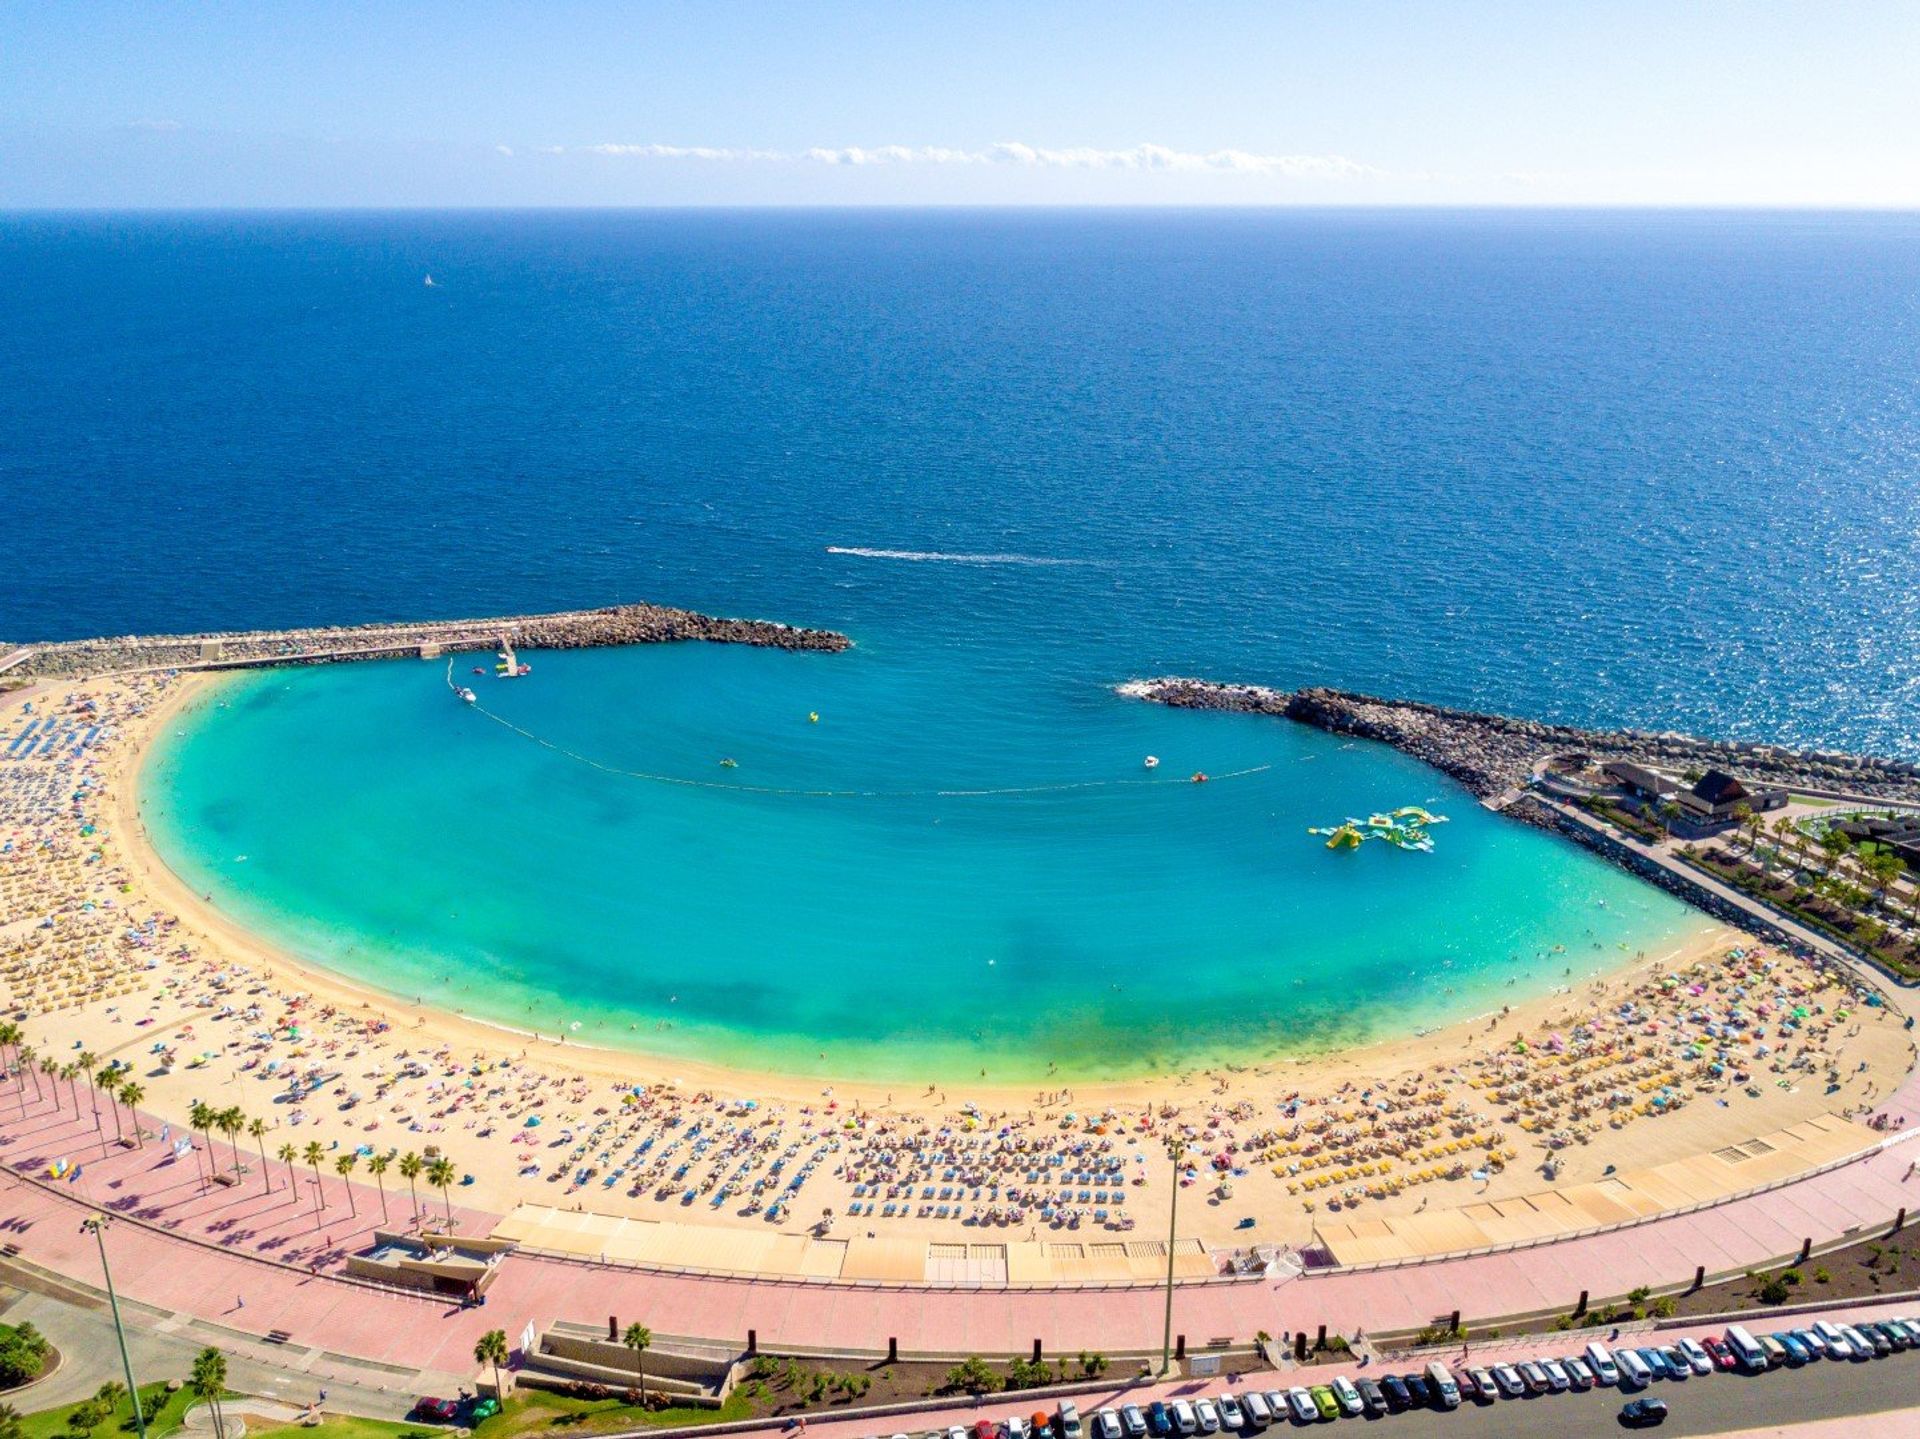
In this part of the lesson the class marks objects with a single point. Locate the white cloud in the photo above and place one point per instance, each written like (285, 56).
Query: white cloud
(506, 150)
(678, 152)
(1138, 158)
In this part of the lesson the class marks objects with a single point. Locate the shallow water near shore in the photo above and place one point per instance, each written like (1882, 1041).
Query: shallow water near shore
(362, 818)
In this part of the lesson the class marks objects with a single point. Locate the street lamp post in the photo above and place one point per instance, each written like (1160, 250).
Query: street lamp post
(98, 1224)
(1173, 1219)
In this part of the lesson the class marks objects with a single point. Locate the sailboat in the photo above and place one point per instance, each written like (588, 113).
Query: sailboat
(432, 284)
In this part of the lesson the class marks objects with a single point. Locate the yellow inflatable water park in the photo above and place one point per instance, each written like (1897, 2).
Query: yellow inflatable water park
(1404, 828)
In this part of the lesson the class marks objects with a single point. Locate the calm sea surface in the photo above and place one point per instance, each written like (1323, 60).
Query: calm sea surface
(1645, 469)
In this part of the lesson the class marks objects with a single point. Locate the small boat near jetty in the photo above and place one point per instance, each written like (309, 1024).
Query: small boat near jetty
(467, 696)
(1152, 761)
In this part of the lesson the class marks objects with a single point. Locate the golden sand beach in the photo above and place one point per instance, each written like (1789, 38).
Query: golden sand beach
(105, 951)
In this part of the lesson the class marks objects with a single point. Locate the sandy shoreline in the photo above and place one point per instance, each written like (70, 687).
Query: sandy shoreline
(1395, 1094)
(155, 878)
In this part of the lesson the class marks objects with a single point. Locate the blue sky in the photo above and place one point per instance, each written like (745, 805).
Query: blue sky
(478, 103)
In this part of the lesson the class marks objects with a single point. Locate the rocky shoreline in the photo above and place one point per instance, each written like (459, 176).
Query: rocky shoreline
(1494, 755)
(568, 629)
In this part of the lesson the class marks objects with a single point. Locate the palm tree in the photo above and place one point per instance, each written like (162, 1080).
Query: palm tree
(313, 1155)
(103, 1082)
(50, 1067)
(410, 1167)
(377, 1166)
(1669, 812)
(343, 1166)
(492, 1349)
(257, 1131)
(286, 1154)
(639, 1339)
(200, 1117)
(130, 1095)
(440, 1174)
(82, 1066)
(25, 1054)
(209, 1382)
(71, 1073)
(230, 1121)
(10, 1427)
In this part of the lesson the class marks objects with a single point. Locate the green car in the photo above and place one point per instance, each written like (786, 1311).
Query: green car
(1324, 1401)
(483, 1409)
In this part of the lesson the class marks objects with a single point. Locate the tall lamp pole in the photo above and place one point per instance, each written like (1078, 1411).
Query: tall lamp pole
(1175, 1148)
(98, 1224)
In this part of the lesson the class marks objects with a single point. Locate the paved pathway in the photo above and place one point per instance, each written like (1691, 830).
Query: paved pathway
(250, 1262)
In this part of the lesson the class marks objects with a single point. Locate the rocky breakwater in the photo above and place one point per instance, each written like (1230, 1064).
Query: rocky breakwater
(1494, 754)
(568, 629)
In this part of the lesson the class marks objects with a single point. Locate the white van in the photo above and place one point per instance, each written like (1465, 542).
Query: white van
(1604, 1369)
(1446, 1392)
(1633, 1369)
(1746, 1349)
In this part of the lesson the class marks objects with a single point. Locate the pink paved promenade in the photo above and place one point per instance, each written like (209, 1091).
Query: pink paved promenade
(217, 1246)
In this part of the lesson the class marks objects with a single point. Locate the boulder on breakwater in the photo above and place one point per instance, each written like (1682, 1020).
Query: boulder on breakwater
(569, 629)
(1493, 754)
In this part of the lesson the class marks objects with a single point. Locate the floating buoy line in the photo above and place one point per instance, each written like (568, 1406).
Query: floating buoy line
(472, 702)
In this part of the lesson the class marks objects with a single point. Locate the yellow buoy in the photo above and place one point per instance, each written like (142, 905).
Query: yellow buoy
(813, 716)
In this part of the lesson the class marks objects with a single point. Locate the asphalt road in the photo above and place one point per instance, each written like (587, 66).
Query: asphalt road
(1715, 1404)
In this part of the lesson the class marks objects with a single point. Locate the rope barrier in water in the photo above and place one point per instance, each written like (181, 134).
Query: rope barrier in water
(690, 783)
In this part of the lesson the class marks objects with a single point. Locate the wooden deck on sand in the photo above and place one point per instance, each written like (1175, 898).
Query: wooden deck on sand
(882, 1259)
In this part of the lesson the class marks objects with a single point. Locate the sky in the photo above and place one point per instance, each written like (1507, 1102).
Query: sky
(818, 102)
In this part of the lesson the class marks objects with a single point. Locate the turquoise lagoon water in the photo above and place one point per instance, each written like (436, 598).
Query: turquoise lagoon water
(362, 818)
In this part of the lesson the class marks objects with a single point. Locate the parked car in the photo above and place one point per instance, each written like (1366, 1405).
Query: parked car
(1696, 1355)
(1485, 1391)
(436, 1411)
(1305, 1411)
(484, 1407)
(1106, 1424)
(1863, 1345)
(1633, 1369)
(1347, 1396)
(1579, 1373)
(1185, 1422)
(1067, 1420)
(1276, 1404)
(1132, 1422)
(1813, 1343)
(1797, 1351)
(1395, 1390)
(1419, 1392)
(1643, 1413)
(1041, 1424)
(1016, 1427)
(1159, 1421)
(1255, 1404)
(1655, 1361)
(1372, 1397)
(1719, 1351)
(1678, 1365)
(1534, 1377)
(1509, 1380)
(1837, 1344)
(1604, 1367)
(1324, 1401)
(1232, 1418)
(1556, 1376)
(1208, 1416)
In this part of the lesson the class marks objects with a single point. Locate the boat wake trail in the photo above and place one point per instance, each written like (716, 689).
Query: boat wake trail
(941, 557)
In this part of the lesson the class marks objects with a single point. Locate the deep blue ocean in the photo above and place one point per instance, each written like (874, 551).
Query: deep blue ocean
(1652, 469)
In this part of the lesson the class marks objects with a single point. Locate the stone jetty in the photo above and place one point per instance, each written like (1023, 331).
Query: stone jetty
(564, 630)
(1494, 755)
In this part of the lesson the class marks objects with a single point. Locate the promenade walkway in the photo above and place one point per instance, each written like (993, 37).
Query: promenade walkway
(256, 1262)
